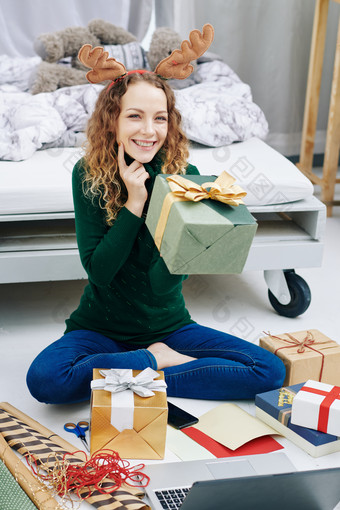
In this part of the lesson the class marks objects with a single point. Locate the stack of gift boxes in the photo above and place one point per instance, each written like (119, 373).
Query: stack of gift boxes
(306, 409)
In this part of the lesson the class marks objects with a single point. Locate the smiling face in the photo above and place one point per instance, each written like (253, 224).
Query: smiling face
(143, 121)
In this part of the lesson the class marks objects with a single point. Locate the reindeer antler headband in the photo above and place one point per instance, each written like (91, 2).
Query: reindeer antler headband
(177, 65)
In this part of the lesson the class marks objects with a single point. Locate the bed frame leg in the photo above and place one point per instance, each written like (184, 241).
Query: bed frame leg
(277, 284)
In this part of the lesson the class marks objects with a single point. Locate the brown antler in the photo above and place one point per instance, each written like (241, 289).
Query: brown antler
(103, 67)
(177, 65)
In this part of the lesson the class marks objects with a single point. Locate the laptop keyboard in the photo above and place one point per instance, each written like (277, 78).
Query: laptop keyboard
(172, 499)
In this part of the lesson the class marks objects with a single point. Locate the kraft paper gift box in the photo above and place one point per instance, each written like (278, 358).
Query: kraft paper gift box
(200, 236)
(306, 355)
(275, 408)
(317, 406)
(124, 421)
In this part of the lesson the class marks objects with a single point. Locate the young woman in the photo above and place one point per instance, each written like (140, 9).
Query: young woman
(132, 313)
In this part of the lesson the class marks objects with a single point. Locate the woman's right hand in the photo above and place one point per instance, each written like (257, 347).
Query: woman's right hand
(134, 177)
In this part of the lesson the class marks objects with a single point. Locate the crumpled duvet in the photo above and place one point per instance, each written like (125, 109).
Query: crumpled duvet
(216, 111)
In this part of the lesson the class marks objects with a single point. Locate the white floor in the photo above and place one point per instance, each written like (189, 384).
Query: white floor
(32, 316)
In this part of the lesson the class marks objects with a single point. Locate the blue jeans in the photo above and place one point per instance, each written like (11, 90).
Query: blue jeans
(226, 367)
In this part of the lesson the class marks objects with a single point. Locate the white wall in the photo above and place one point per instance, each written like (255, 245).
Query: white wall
(267, 43)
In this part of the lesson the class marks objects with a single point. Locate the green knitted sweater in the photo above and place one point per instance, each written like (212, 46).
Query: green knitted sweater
(131, 296)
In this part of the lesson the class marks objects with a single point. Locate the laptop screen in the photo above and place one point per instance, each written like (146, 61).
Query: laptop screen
(302, 490)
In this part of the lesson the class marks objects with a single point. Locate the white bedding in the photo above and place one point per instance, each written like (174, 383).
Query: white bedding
(267, 176)
(42, 184)
(218, 110)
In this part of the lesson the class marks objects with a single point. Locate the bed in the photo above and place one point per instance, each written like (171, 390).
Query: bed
(40, 141)
(37, 235)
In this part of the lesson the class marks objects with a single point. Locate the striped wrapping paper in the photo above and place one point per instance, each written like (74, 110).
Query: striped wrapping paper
(24, 439)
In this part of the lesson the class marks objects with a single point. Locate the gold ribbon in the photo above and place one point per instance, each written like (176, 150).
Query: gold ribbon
(222, 189)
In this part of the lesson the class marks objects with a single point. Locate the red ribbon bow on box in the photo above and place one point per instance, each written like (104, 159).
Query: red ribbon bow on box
(330, 397)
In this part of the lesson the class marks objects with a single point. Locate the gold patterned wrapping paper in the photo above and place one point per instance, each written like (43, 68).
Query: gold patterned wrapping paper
(147, 438)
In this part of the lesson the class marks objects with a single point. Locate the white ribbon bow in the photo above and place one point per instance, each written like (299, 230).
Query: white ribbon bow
(122, 385)
(143, 384)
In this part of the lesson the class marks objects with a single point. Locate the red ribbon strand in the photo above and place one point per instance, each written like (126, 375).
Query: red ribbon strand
(302, 345)
(104, 472)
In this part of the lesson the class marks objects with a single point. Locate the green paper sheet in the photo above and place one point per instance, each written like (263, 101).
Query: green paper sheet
(12, 497)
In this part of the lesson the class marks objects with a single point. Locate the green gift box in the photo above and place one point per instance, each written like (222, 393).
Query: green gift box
(203, 237)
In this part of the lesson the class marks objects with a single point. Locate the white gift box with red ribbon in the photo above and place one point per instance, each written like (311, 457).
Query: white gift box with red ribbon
(317, 406)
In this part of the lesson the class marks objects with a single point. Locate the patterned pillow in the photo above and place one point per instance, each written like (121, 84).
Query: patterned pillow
(132, 55)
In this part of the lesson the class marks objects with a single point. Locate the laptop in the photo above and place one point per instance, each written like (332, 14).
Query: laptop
(241, 483)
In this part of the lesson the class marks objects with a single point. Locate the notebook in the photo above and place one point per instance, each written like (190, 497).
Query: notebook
(242, 484)
(275, 408)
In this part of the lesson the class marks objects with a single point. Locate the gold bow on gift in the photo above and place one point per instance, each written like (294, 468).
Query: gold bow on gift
(223, 189)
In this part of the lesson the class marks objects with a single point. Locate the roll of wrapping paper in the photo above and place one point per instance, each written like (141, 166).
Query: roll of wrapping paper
(18, 429)
(43, 431)
(11, 494)
(34, 489)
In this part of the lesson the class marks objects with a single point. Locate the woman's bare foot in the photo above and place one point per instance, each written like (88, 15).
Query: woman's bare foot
(167, 357)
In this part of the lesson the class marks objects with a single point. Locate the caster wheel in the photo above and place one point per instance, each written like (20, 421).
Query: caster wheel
(300, 296)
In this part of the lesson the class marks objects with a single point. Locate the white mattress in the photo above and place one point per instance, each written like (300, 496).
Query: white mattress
(267, 176)
(42, 184)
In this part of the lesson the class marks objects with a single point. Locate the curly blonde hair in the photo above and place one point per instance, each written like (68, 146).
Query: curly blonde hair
(102, 178)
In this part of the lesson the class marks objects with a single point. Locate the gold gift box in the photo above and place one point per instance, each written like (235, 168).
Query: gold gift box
(147, 438)
(306, 355)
